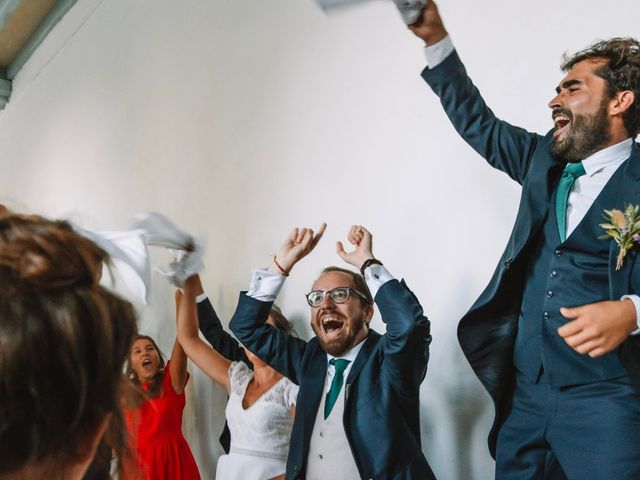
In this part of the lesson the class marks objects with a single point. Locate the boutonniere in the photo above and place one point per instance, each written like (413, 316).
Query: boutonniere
(623, 228)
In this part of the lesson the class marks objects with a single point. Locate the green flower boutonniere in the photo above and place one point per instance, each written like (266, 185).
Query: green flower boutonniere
(623, 228)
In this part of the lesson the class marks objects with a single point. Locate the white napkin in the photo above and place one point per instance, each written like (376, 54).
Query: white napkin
(160, 231)
(129, 257)
(409, 9)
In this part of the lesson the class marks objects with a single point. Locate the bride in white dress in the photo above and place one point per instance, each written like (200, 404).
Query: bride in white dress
(261, 403)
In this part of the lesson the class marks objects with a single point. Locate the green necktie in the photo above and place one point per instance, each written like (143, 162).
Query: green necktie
(336, 384)
(569, 175)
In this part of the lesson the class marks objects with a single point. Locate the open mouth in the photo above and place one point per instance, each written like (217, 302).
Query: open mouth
(146, 362)
(332, 325)
(561, 122)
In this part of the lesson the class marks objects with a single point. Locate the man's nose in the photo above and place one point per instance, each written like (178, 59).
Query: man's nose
(556, 101)
(327, 300)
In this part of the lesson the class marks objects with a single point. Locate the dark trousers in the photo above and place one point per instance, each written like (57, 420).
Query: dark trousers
(583, 432)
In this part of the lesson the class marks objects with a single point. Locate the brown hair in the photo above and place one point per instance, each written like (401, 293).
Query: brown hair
(281, 321)
(155, 385)
(621, 71)
(358, 283)
(63, 342)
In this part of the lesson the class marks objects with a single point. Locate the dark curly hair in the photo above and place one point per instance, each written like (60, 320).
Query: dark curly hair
(621, 71)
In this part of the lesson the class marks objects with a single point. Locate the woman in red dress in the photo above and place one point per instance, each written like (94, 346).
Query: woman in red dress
(155, 425)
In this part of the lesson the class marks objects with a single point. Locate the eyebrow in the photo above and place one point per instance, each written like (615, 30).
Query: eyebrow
(567, 84)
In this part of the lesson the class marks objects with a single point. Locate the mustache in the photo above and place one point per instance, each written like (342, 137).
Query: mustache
(331, 311)
(561, 111)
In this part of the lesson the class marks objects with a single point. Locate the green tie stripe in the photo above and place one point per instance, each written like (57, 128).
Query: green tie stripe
(340, 365)
(569, 175)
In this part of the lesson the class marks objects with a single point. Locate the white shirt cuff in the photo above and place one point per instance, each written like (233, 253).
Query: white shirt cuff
(438, 52)
(265, 285)
(201, 298)
(636, 303)
(376, 276)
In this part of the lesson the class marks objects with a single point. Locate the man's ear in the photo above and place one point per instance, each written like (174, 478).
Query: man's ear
(368, 314)
(621, 102)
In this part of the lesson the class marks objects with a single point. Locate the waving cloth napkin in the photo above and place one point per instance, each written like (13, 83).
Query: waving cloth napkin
(409, 9)
(158, 230)
(129, 257)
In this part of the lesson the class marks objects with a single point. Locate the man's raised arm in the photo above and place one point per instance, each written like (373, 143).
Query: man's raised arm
(280, 350)
(406, 343)
(505, 146)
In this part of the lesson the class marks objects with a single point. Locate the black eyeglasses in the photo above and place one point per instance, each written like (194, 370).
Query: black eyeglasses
(338, 295)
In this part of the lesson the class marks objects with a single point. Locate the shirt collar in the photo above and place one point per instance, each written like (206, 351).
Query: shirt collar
(351, 354)
(613, 155)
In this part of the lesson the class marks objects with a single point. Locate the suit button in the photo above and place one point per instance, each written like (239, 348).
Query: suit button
(507, 263)
(558, 252)
(322, 434)
(549, 294)
(553, 274)
(546, 315)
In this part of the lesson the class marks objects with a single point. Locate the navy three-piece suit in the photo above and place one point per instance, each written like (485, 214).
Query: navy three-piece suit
(509, 335)
(381, 413)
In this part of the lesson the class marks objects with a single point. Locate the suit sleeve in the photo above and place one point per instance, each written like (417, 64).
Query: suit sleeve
(278, 349)
(406, 343)
(504, 146)
(221, 341)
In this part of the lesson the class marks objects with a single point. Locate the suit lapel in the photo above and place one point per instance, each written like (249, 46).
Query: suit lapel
(629, 192)
(313, 387)
(537, 198)
(363, 356)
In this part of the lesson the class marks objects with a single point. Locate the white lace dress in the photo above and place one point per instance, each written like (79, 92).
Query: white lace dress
(260, 434)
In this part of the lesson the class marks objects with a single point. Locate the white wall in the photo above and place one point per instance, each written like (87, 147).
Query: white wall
(243, 119)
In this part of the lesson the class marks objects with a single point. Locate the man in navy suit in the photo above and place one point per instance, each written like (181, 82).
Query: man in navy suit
(357, 414)
(552, 337)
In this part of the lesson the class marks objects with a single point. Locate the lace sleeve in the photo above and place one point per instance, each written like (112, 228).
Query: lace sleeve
(238, 373)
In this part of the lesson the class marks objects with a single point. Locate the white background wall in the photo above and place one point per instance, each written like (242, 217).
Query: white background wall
(241, 119)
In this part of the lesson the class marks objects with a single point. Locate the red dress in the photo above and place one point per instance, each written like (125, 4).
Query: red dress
(155, 429)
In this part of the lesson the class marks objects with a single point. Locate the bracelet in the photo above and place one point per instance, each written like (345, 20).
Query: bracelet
(282, 270)
(367, 263)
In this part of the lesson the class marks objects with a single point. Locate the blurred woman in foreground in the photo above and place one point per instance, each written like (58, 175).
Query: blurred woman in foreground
(63, 343)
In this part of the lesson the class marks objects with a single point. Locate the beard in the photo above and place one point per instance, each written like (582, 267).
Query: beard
(586, 135)
(342, 344)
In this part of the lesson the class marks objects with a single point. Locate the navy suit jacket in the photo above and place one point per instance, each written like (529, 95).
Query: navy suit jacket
(381, 417)
(221, 340)
(488, 330)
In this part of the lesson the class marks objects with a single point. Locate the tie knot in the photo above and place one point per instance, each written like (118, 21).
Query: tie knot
(339, 363)
(574, 169)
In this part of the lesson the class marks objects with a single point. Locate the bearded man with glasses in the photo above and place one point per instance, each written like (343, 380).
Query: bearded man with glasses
(357, 414)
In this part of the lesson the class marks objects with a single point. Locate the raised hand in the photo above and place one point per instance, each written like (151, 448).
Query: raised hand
(598, 328)
(299, 243)
(429, 26)
(363, 240)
